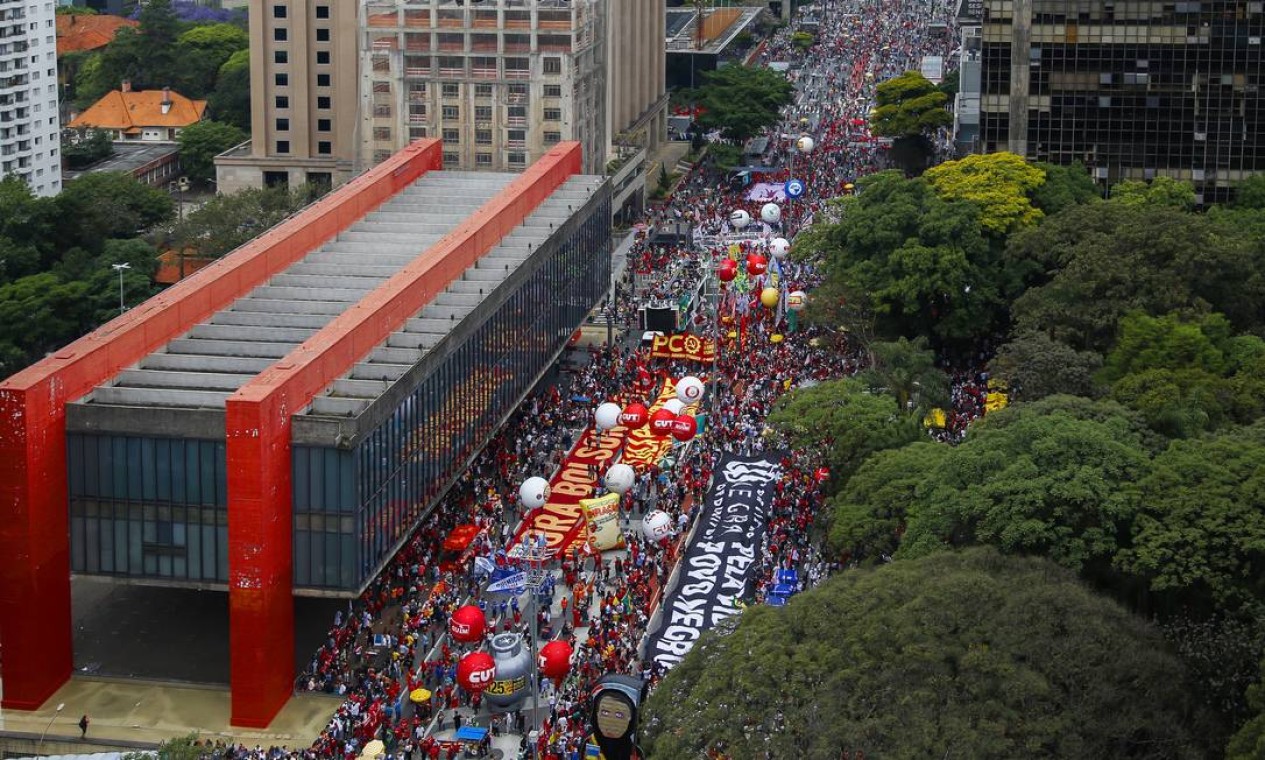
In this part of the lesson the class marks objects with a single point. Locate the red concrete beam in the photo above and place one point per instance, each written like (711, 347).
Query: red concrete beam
(258, 417)
(35, 618)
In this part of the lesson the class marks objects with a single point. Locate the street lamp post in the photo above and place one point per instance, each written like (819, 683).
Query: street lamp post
(121, 268)
(60, 706)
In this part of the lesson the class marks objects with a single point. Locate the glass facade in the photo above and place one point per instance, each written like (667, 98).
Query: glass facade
(1133, 89)
(148, 507)
(354, 507)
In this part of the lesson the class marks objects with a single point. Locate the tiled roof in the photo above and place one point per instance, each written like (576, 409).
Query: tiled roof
(135, 110)
(88, 32)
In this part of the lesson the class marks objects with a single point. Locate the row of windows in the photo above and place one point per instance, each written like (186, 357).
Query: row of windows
(406, 462)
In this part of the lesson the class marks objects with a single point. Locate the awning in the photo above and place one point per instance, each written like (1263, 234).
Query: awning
(471, 734)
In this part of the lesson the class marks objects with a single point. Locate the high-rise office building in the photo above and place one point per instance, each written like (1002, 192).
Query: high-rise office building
(1134, 89)
(303, 94)
(30, 144)
(500, 81)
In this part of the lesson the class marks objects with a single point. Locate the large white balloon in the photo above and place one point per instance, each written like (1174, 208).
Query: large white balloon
(534, 492)
(779, 247)
(689, 389)
(620, 477)
(771, 213)
(673, 405)
(797, 300)
(607, 415)
(739, 219)
(805, 144)
(656, 526)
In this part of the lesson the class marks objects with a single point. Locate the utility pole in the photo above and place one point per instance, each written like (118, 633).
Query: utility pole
(121, 268)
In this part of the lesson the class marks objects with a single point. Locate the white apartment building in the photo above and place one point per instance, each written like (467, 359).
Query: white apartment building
(30, 135)
(500, 81)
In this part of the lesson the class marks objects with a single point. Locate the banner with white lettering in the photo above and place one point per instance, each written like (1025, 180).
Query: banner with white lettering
(721, 557)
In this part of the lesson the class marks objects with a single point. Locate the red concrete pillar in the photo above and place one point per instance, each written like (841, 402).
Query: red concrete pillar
(35, 631)
(260, 577)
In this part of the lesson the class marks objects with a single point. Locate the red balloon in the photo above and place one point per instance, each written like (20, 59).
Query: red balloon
(467, 624)
(661, 422)
(757, 265)
(476, 672)
(555, 660)
(684, 427)
(634, 416)
(727, 271)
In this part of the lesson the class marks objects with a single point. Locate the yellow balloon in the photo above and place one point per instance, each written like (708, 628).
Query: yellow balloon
(769, 297)
(775, 338)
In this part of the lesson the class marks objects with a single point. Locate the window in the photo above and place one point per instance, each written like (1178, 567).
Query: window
(452, 136)
(322, 35)
(483, 137)
(518, 88)
(322, 102)
(451, 90)
(283, 125)
(517, 136)
(281, 79)
(553, 91)
(278, 11)
(280, 57)
(553, 65)
(322, 80)
(483, 90)
(322, 11)
(283, 101)
(279, 34)
(451, 159)
(324, 147)
(382, 133)
(517, 159)
(322, 56)
(323, 125)
(452, 112)
(483, 159)
(283, 146)
(483, 113)
(553, 114)
(552, 137)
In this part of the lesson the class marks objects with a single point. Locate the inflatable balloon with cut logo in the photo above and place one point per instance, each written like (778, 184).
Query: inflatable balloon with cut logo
(797, 300)
(805, 144)
(727, 271)
(656, 526)
(674, 405)
(757, 264)
(619, 478)
(771, 213)
(555, 661)
(476, 671)
(634, 416)
(534, 492)
(739, 219)
(467, 624)
(607, 416)
(661, 422)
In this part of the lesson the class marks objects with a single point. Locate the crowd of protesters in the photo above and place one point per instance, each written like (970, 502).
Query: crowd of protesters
(392, 639)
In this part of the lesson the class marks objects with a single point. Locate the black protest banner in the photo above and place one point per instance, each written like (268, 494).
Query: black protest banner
(721, 557)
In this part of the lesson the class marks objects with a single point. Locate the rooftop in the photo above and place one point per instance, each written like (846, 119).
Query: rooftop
(128, 157)
(76, 33)
(129, 110)
(720, 27)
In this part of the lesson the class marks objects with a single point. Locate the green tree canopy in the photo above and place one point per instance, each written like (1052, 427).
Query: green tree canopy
(228, 221)
(906, 370)
(202, 51)
(1037, 366)
(998, 184)
(110, 205)
(1038, 483)
(1200, 535)
(842, 419)
(967, 654)
(1064, 187)
(742, 100)
(1164, 192)
(230, 101)
(200, 143)
(909, 108)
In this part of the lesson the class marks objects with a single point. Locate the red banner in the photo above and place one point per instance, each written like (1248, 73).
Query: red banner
(683, 346)
(562, 519)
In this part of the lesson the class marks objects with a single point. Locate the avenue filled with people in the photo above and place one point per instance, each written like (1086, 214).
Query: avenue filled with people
(392, 642)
